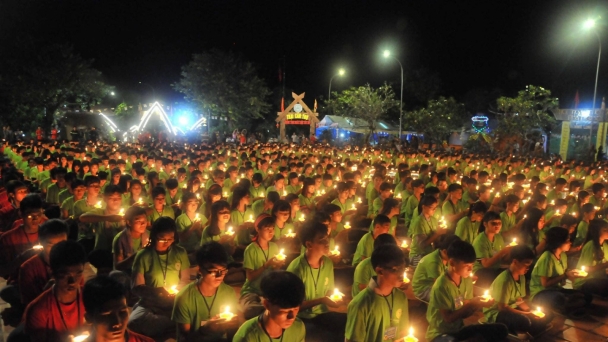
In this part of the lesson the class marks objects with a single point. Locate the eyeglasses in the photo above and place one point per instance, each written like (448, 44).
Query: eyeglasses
(166, 240)
(224, 212)
(217, 273)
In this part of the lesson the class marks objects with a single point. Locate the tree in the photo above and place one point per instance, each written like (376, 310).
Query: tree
(531, 109)
(224, 84)
(39, 81)
(365, 103)
(438, 119)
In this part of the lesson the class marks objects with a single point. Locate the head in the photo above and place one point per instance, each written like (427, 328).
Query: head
(477, 210)
(389, 264)
(163, 234)
(598, 234)
(212, 261)
(264, 227)
(136, 219)
(558, 238)
(106, 309)
(112, 196)
(522, 258)
(491, 223)
(283, 293)
(220, 213)
(314, 237)
(51, 233)
(31, 210)
(67, 259)
(281, 211)
(461, 256)
(334, 212)
(427, 206)
(382, 224)
(444, 242)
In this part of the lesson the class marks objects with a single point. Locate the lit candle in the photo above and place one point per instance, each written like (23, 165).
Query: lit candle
(290, 234)
(81, 337)
(140, 201)
(185, 186)
(198, 196)
(281, 256)
(486, 296)
(98, 205)
(227, 315)
(179, 201)
(538, 313)
(226, 194)
(359, 200)
(353, 207)
(121, 212)
(37, 247)
(404, 244)
(498, 194)
(262, 194)
(471, 276)
(230, 231)
(582, 272)
(406, 280)
(250, 218)
(399, 195)
(284, 193)
(336, 251)
(336, 296)
(410, 337)
(302, 218)
(514, 243)
(347, 225)
(173, 290)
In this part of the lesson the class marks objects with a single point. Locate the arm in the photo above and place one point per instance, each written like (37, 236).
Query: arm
(489, 262)
(550, 281)
(465, 311)
(272, 262)
(94, 218)
(123, 264)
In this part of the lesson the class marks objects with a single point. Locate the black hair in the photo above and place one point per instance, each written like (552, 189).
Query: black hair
(112, 189)
(29, 202)
(309, 230)
(162, 225)
(445, 241)
(381, 219)
(100, 290)
(384, 240)
(211, 253)
(593, 234)
(51, 228)
(283, 289)
(90, 179)
(331, 208)
(426, 201)
(387, 205)
(556, 237)
(487, 217)
(66, 253)
(477, 207)
(387, 257)
(157, 190)
(530, 225)
(273, 196)
(462, 251)
(521, 253)
(237, 195)
(133, 212)
(171, 183)
(280, 205)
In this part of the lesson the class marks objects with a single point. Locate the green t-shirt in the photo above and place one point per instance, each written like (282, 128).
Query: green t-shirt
(136, 244)
(422, 226)
(467, 230)
(192, 308)
(547, 266)
(308, 202)
(429, 268)
(251, 331)
(347, 205)
(279, 232)
(484, 248)
(184, 223)
(254, 258)
(258, 208)
(85, 230)
(505, 290)
(449, 208)
(365, 247)
(105, 231)
(410, 206)
(155, 215)
(508, 222)
(63, 195)
(237, 218)
(153, 265)
(377, 205)
(52, 194)
(317, 282)
(581, 233)
(363, 273)
(589, 258)
(445, 295)
(68, 205)
(254, 192)
(374, 318)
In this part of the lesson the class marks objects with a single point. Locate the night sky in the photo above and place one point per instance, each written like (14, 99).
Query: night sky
(470, 44)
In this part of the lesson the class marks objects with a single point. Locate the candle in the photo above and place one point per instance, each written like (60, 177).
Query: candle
(471, 276)
(336, 296)
(173, 290)
(336, 251)
(121, 212)
(179, 201)
(347, 225)
(538, 313)
(140, 201)
(262, 194)
(290, 234)
(323, 192)
(302, 218)
(227, 315)
(184, 186)
(226, 194)
(410, 337)
(404, 244)
(399, 195)
(37, 247)
(498, 194)
(98, 205)
(81, 337)
(353, 207)
(198, 196)
(197, 217)
(281, 256)
(359, 200)
(582, 272)
(486, 296)
(230, 231)
(250, 218)
(284, 193)
(406, 280)
(514, 243)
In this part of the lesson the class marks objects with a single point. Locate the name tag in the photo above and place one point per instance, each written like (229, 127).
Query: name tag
(390, 333)
(458, 302)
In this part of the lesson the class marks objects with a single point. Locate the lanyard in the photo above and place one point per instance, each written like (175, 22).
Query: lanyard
(261, 322)
(315, 281)
(160, 213)
(209, 307)
(164, 271)
(390, 306)
(262, 249)
(515, 284)
(61, 310)
(560, 262)
(27, 237)
(452, 280)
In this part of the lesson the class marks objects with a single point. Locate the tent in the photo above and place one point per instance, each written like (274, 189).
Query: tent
(345, 127)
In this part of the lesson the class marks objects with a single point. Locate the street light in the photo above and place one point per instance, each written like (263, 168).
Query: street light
(588, 25)
(112, 93)
(387, 54)
(341, 72)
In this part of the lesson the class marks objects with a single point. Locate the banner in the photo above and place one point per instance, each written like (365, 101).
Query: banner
(601, 136)
(565, 140)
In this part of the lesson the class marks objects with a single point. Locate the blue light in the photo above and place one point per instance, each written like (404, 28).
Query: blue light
(183, 120)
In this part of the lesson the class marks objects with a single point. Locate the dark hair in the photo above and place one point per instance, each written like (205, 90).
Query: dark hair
(171, 183)
(593, 235)
(211, 253)
(112, 189)
(462, 251)
(283, 289)
(214, 228)
(530, 225)
(426, 201)
(157, 190)
(521, 253)
(309, 230)
(331, 208)
(445, 241)
(100, 290)
(273, 197)
(387, 257)
(556, 237)
(66, 253)
(477, 207)
(280, 205)
(237, 195)
(487, 217)
(133, 212)
(387, 205)
(51, 228)
(30, 201)
(162, 225)
(384, 240)
(381, 219)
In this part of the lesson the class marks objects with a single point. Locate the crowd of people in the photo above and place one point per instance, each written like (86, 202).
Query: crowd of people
(251, 242)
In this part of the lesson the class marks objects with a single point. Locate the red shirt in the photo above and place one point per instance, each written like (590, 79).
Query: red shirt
(135, 337)
(34, 274)
(8, 216)
(12, 244)
(48, 320)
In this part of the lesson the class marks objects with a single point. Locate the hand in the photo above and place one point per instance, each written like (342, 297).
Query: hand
(441, 231)
(274, 263)
(335, 258)
(214, 325)
(572, 274)
(226, 238)
(330, 303)
(115, 218)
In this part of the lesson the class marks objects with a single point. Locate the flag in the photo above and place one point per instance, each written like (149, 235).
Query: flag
(282, 104)
(577, 100)
(315, 110)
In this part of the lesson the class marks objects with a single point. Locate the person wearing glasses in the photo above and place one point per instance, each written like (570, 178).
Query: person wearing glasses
(283, 293)
(198, 305)
(157, 269)
(159, 208)
(380, 312)
(490, 250)
(424, 229)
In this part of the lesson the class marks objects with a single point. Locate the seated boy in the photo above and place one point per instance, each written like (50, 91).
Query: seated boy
(452, 301)
(198, 305)
(59, 312)
(131, 239)
(431, 266)
(106, 222)
(283, 293)
(106, 310)
(380, 312)
(365, 247)
(364, 270)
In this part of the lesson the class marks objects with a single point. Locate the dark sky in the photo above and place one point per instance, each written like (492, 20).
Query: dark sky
(470, 44)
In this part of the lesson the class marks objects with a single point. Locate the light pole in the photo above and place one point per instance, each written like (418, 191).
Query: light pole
(151, 87)
(387, 54)
(588, 25)
(340, 73)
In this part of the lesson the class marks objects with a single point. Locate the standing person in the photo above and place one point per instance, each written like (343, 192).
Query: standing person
(39, 134)
(380, 312)
(283, 293)
(59, 311)
(74, 134)
(54, 133)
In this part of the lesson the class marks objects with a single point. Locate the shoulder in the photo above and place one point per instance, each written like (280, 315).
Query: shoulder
(135, 337)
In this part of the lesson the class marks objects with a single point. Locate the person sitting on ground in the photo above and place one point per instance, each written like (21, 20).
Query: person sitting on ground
(431, 266)
(594, 256)
(424, 230)
(365, 247)
(364, 270)
(131, 240)
(283, 294)
(198, 305)
(468, 227)
(490, 250)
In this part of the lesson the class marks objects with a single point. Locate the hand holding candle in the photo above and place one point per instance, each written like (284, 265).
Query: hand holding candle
(227, 315)
(410, 336)
(336, 296)
(290, 234)
(404, 244)
(281, 256)
(38, 247)
(336, 251)
(98, 205)
(486, 296)
(121, 212)
(173, 290)
(582, 272)
(230, 231)
(514, 243)
(346, 225)
(538, 313)
(80, 338)
(406, 280)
